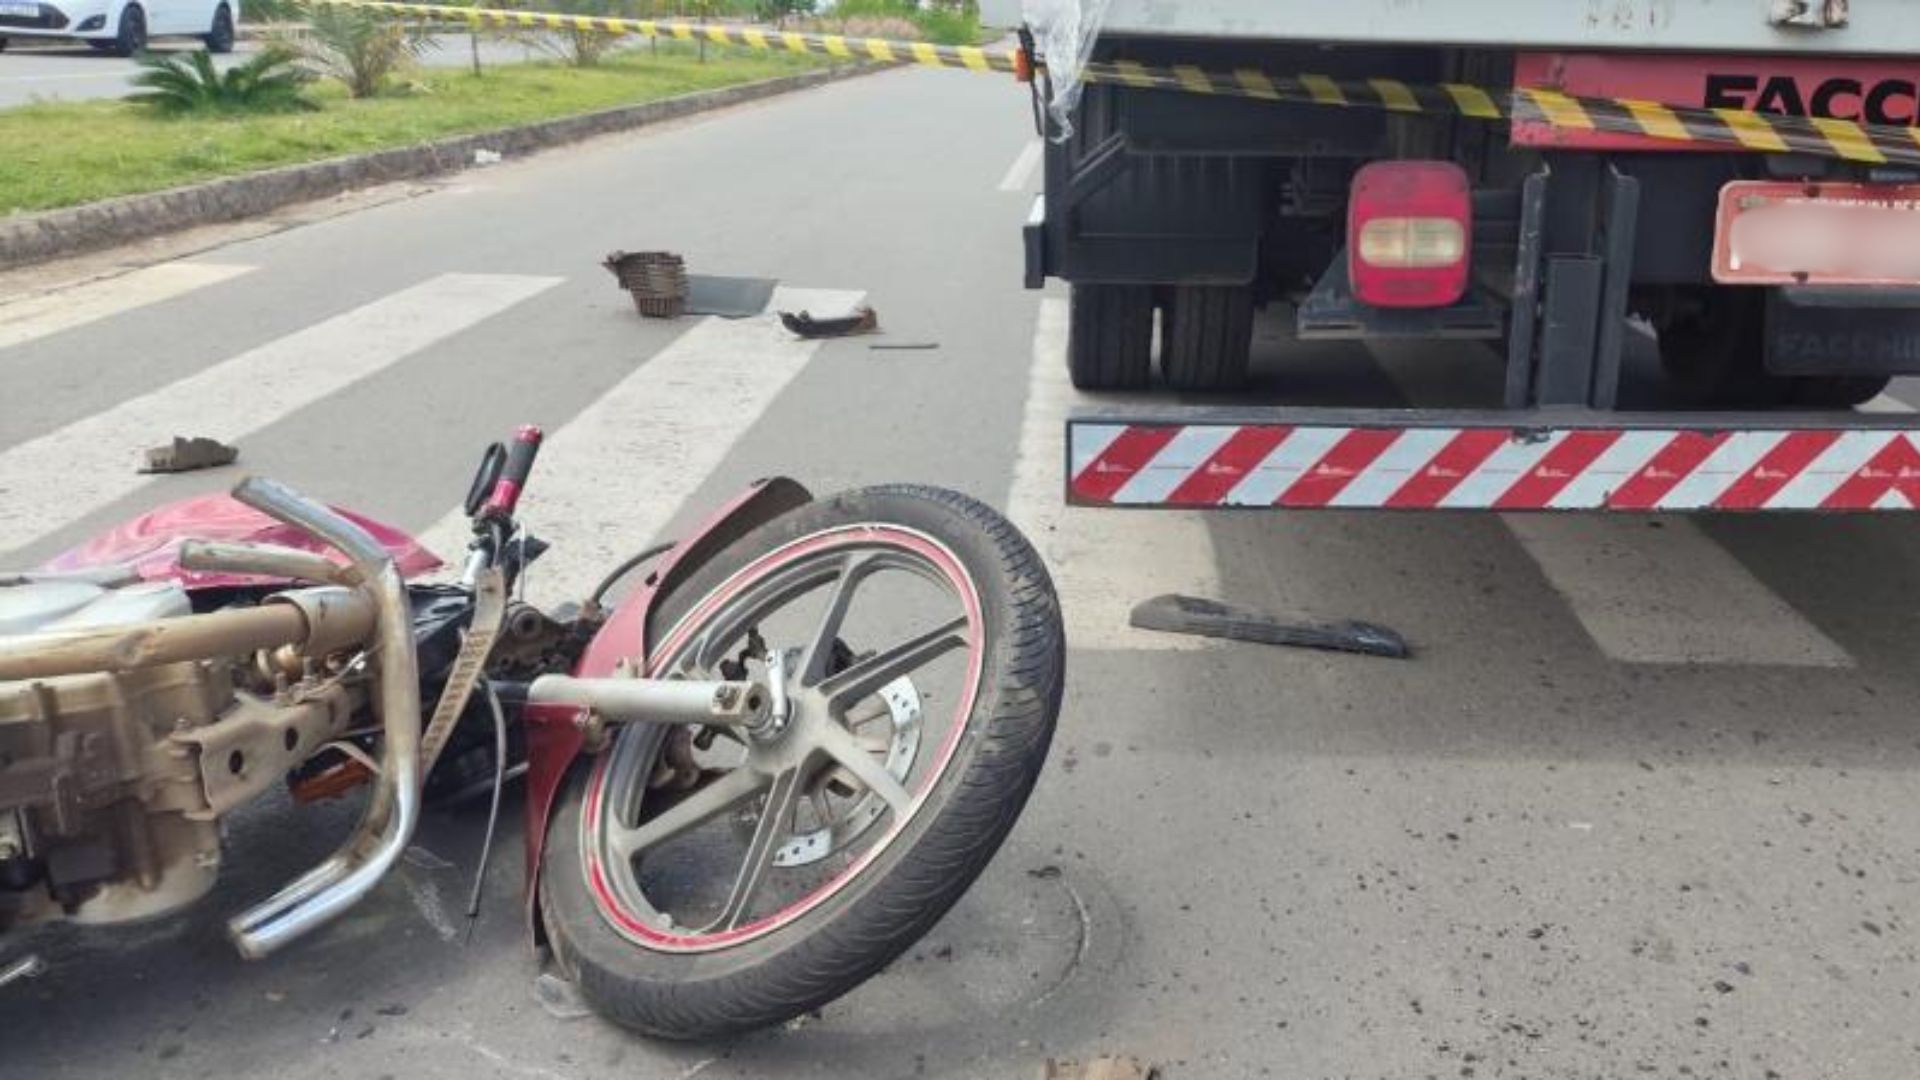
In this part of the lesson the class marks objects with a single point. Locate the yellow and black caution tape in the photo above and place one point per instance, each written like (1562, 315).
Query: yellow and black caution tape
(837, 46)
(1732, 128)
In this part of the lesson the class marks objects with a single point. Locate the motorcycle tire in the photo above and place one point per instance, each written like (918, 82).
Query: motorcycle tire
(704, 984)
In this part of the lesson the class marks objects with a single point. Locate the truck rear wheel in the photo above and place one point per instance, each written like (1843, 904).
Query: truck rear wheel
(1110, 337)
(1838, 391)
(1206, 337)
(1716, 357)
(1713, 355)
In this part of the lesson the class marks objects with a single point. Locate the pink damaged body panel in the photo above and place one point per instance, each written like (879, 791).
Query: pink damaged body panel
(553, 735)
(150, 543)
(1878, 92)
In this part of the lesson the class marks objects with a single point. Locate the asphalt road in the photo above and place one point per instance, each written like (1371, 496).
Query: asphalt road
(1642, 804)
(75, 72)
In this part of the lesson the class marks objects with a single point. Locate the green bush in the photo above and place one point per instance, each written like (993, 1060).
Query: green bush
(189, 82)
(944, 22)
(273, 11)
(361, 49)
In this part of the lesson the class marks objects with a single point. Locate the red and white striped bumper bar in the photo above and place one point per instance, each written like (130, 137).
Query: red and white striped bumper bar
(1411, 462)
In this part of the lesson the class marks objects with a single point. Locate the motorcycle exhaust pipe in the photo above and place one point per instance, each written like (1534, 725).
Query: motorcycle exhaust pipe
(393, 813)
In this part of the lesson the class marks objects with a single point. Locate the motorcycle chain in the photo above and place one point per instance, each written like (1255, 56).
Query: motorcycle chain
(489, 616)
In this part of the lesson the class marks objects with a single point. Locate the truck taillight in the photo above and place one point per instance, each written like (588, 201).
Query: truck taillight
(1410, 234)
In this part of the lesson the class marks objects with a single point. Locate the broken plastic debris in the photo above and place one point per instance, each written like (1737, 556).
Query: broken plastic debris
(861, 321)
(1209, 618)
(186, 455)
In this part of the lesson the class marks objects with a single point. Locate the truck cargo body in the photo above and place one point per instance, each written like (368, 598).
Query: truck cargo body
(1190, 210)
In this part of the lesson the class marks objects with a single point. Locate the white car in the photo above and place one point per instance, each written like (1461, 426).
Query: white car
(122, 27)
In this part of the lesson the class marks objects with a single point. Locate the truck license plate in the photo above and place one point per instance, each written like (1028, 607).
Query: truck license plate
(23, 11)
(1773, 233)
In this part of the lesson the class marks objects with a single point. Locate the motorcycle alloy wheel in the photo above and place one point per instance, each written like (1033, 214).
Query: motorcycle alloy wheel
(696, 883)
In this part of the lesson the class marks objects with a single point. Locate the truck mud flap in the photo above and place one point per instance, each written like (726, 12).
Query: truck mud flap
(1560, 460)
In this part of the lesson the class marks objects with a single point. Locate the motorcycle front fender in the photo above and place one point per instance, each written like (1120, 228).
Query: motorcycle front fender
(554, 737)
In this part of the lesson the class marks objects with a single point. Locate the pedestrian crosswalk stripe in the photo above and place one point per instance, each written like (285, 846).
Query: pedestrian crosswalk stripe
(1668, 595)
(1103, 562)
(35, 317)
(74, 470)
(610, 479)
(1671, 595)
(1886, 403)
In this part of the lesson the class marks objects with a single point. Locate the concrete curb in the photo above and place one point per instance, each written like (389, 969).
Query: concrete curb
(31, 238)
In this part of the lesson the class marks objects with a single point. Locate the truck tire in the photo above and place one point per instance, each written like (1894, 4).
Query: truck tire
(1717, 360)
(1206, 337)
(1110, 337)
(1714, 357)
(1838, 391)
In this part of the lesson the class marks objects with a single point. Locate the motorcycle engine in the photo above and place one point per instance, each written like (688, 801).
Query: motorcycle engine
(104, 814)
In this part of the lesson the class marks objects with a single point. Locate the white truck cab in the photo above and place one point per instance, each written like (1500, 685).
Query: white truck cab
(122, 27)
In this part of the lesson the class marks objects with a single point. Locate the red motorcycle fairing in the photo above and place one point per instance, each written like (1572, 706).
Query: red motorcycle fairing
(553, 733)
(150, 543)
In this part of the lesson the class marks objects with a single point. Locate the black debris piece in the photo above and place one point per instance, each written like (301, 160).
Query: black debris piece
(185, 455)
(1210, 618)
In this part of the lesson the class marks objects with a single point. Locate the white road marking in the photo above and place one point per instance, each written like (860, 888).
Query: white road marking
(49, 481)
(611, 479)
(67, 77)
(1104, 561)
(1885, 403)
(37, 316)
(1670, 595)
(1020, 173)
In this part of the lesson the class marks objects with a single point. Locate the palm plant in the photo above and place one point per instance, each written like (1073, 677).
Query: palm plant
(361, 50)
(178, 83)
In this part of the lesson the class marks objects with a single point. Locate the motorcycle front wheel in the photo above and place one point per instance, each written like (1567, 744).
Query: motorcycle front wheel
(700, 882)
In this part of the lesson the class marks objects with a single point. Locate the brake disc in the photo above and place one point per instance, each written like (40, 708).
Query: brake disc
(840, 809)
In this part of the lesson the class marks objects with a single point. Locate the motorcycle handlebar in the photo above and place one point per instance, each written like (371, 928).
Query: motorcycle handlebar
(513, 478)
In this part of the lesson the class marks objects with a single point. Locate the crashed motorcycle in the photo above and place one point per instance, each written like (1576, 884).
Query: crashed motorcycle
(759, 762)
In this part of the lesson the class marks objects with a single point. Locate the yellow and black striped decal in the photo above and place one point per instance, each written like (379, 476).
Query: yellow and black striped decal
(833, 45)
(1731, 128)
(1845, 139)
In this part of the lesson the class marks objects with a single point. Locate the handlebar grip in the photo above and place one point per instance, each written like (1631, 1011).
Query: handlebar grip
(513, 478)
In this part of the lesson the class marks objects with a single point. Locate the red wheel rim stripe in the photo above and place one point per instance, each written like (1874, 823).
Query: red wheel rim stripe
(632, 925)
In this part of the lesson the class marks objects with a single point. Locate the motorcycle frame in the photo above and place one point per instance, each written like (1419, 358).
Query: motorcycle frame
(364, 601)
